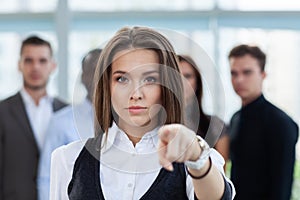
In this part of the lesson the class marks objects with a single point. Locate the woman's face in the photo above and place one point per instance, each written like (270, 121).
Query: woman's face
(136, 88)
(190, 80)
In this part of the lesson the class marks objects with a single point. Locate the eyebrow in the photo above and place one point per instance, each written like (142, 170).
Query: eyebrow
(145, 73)
(151, 72)
(119, 72)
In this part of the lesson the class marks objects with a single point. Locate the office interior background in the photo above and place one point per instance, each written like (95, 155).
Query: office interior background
(75, 26)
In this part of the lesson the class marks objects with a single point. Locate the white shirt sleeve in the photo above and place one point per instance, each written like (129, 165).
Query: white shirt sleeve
(62, 163)
(219, 162)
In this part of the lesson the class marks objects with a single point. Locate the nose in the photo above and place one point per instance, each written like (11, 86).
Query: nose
(137, 93)
(238, 78)
(35, 65)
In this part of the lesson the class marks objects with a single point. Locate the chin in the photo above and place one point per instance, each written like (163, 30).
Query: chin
(36, 86)
(140, 123)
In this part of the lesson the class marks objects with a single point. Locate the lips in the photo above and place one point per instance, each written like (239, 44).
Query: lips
(136, 109)
(35, 76)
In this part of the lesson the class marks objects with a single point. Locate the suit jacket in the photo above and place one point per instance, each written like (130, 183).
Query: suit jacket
(19, 153)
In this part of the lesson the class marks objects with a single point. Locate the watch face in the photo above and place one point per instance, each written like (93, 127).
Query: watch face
(203, 144)
(205, 150)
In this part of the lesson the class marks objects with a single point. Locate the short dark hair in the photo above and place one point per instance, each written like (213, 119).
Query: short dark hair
(254, 51)
(35, 40)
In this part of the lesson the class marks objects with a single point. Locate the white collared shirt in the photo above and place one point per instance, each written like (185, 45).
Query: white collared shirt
(67, 125)
(126, 172)
(38, 115)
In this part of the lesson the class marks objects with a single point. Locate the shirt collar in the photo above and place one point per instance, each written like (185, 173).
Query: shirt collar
(28, 100)
(114, 133)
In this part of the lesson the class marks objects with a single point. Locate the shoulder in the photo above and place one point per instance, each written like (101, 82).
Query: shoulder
(66, 155)
(61, 121)
(10, 100)
(8, 103)
(58, 104)
(276, 114)
(235, 115)
(280, 122)
(65, 112)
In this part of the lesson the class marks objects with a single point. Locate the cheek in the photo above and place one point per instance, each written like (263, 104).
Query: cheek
(193, 84)
(155, 95)
(189, 88)
(155, 102)
(114, 97)
(188, 92)
(119, 97)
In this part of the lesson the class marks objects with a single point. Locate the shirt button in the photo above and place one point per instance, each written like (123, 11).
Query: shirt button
(129, 185)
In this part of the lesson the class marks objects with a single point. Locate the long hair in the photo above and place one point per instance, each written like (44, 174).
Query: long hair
(204, 121)
(171, 83)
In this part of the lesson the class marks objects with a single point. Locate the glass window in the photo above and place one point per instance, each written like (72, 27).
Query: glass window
(282, 66)
(122, 5)
(81, 43)
(10, 77)
(259, 5)
(199, 45)
(41, 6)
(8, 6)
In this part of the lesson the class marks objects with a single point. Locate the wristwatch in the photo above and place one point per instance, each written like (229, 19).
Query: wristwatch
(205, 151)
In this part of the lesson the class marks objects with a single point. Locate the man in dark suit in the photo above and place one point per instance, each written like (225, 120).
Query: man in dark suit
(263, 137)
(23, 121)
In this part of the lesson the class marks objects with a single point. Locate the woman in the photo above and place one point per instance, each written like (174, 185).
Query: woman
(209, 127)
(144, 151)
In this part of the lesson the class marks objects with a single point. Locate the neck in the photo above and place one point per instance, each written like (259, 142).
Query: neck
(36, 94)
(246, 101)
(135, 133)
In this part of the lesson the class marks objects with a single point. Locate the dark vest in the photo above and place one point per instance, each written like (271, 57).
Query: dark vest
(85, 183)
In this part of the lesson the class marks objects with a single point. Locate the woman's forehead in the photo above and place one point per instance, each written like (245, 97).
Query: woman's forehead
(131, 59)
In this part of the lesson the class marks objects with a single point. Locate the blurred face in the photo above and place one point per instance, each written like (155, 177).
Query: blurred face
(87, 76)
(135, 88)
(36, 65)
(246, 78)
(190, 81)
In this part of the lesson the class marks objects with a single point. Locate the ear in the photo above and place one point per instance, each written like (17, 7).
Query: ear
(263, 74)
(53, 66)
(19, 65)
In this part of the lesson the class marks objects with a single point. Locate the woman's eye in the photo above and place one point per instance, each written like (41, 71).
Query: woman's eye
(188, 76)
(122, 79)
(150, 80)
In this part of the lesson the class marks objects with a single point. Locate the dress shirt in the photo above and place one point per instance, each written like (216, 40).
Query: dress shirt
(67, 125)
(39, 115)
(126, 171)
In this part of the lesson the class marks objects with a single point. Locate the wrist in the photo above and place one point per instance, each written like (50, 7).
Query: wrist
(199, 159)
(197, 151)
(201, 173)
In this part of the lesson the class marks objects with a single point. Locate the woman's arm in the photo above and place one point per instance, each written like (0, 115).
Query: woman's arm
(178, 144)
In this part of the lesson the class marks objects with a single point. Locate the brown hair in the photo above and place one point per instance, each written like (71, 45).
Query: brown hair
(203, 124)
(171, 83)
(254, 51)
(35, 40)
